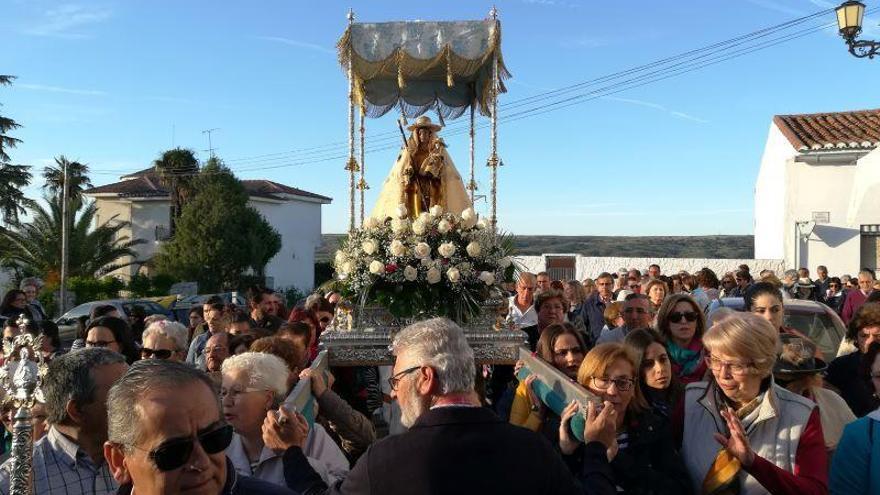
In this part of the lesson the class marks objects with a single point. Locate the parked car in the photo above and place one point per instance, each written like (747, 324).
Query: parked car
(68, 324)
(815, 320)
(181, 307)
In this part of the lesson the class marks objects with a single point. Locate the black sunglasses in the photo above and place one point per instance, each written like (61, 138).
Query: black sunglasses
(689, 316)
(175, 453)
(147, 353)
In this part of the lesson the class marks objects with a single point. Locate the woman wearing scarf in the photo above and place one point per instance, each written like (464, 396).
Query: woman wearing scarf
(682, 324)
(767, 440)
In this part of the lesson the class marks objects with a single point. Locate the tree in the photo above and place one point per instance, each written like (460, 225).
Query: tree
(13, 178)
(219, 237)
(177, 169)
(34, 248)
(77, 180)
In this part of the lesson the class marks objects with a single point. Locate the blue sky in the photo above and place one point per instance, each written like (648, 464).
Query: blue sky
(113, 83)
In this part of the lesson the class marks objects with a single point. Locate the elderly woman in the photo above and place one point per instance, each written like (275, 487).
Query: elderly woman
(254, 385)
(656, 291)
(681, 323)
(855, 469)
(658, 383)
(767, 440)
(644, 459)
(562, 346)
(114, 334)
(164, 340)
(863, 330)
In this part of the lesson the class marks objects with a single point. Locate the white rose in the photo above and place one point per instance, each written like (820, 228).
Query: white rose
(425, 217)
(410, 273)
(370, 223)
(369, 246)
(453, 275)
(474, 249)
(504, 262)
(402, 212)
(399, 225)
(418, 227)
(422, 250)
(427, 261)
(433, 275)
(482, 224)
(444, 226)
(488, 278)
(436, 210)
(469, 217)
(377, 268)
(447, 249)
(347, 267)
(340, 257)
(397, 248)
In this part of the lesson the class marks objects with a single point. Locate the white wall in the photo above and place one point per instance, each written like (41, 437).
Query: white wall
(770, 196)
(592, 266)
(299, 223)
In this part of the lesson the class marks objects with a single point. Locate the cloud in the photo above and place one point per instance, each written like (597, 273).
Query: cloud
(59, 89)
(778, 7)
(59, 22)
(657, 106)
(298, 44)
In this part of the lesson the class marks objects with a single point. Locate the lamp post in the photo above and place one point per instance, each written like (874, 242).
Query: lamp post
(849, 23)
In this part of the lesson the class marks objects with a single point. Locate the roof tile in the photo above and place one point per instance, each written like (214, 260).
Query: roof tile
(838, 130)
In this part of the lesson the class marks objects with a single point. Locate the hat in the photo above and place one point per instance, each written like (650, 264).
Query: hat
(424, 121)
(798, 358)
(805, 282)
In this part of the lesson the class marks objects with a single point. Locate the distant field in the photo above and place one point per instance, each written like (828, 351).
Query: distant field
(712, 246)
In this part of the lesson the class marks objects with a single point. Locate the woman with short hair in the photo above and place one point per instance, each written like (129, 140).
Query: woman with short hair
(656, 291)
(165, 340)
(681, 323)
(767, 440)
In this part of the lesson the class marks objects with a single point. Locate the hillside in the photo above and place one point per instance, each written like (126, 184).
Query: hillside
(714, 246)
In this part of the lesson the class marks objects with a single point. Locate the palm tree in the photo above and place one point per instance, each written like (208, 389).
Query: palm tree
(77, 180)
(13, 178)
(177, 168)
(34, 248)
(6, 125)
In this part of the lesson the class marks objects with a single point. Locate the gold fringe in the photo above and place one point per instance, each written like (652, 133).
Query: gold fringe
(362, 185)
(352, 165)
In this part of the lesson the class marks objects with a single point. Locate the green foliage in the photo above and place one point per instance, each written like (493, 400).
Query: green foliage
(77, 180)
(177, 169)
(142, 285)
(94, 289)
(323, 272)
(13, 178)
(219, 237)
(292, 295)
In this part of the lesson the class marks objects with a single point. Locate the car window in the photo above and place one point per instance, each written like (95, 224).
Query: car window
(818, 327)
(150, 308)
(81, 310)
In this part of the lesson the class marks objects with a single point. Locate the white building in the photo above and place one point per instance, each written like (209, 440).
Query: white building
(296, 215)
(816, 195)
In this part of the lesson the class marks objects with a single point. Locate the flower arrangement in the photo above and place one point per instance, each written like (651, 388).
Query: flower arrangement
(438, 264)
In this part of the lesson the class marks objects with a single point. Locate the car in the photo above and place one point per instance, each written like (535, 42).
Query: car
(182, 306)
(815, 320)
(68, 324)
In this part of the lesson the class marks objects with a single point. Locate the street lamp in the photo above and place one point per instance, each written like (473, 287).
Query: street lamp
(849, 23)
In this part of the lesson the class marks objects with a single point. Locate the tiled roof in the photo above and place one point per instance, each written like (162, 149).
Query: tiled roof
(857, 130)
(146, 184)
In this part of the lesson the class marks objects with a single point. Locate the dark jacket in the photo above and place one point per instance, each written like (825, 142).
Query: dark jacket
(593, 311)
(458, 450)
(236, 484)
(843, 373)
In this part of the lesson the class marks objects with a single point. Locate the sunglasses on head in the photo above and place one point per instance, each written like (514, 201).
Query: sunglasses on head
(175, 453)
(690, 316)
(147, 353)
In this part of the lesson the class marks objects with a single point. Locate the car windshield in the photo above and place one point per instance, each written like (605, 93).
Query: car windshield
(818, 327)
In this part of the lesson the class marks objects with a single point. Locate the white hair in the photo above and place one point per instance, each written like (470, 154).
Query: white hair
(178, 333)
(264, 371)
(440, 344)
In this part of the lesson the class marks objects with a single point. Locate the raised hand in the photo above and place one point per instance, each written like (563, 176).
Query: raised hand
(601, 426)
(567, 443)
(737, 444)
(537, 405)
(283, 429)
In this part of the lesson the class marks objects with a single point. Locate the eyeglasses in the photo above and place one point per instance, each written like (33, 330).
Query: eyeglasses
(173, 454)
(99, 343)
(148, 353)
(395, 380)
(690, 316)
(236, 393)
(622, 384)
(735, 368)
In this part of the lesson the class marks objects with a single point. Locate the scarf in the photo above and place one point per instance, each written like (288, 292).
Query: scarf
(685, 360)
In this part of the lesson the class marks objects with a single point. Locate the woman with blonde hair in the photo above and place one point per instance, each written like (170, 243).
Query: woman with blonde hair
(767, 440)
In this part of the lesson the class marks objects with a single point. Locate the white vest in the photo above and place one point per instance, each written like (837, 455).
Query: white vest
(774, 430)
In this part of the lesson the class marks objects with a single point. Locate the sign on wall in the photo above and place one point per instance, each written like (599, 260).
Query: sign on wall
(822, 217)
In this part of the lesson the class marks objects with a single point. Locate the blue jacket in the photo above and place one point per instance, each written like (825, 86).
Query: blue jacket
(855, 468)
(593, 311)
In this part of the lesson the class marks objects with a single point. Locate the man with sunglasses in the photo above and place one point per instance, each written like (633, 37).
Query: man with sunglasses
(167, 435)
(636, 314)
(70, 458)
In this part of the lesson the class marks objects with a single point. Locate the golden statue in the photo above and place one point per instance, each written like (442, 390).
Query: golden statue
(422, 176)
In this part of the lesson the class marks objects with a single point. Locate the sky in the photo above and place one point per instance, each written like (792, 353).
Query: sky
(114, 83)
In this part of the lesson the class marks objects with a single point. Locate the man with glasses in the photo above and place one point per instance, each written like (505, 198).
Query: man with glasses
(166, 434)
(70, 458)
(593, 308)
(521, 306)
(636, 314)
(855, 298)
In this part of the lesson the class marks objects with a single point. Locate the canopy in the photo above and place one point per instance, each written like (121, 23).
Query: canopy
(416, 66)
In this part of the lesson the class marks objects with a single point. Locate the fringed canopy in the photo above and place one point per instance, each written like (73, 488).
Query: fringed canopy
(416, 66)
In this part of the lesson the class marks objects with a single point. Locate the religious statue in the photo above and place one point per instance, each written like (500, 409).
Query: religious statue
(422, 176)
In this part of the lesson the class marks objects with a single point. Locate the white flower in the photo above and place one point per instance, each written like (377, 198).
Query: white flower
(469, 218)
(340, 257)
(370, 223)
(504, 262)
(488, 278)
(397, 248)
(369, 246)
(377, 268)
(418, 227)
(446, 249)
(474, 249)
(410, 273)
(422, 250)
(427, 261)
(347, 267)
(402, 212)
(433, 275)
(444, 226)
(399, 225)
(482, 224)
(436, 210)
(425, 217)
(453, 275)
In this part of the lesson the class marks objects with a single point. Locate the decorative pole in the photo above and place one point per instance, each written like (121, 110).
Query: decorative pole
(22, 379)
(352, 165)
(493, 155)
(472, 185)
(362, 184)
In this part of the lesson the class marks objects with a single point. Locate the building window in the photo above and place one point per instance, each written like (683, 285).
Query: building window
(162, 233)
(870, 247)
(561, 267)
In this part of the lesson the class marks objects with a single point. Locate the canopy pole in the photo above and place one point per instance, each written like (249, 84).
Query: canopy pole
(362, 184)
(352, 165)
(493, 155)
(472, 185)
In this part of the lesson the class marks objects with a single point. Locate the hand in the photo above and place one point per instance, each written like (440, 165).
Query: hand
(537, 405)
(319, 386)
(518, 366)
(602, 427)
(567, 443)
(737, 444)
(283, 429)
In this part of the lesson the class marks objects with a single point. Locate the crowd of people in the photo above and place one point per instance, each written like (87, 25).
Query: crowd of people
(686, 401)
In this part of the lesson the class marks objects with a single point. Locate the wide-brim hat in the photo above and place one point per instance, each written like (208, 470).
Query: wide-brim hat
(798, 358)
(424, 122)
(805, 283)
